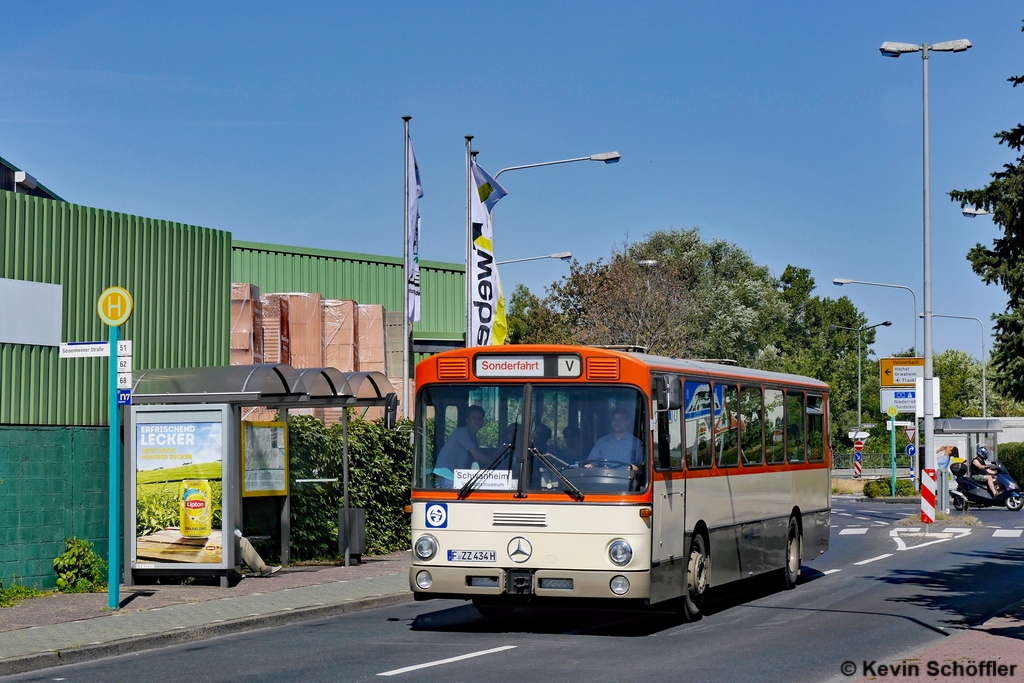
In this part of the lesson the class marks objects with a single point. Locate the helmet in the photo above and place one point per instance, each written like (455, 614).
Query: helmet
(983, 452)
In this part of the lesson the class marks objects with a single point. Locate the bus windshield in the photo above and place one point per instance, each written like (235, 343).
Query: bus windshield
(592, 435)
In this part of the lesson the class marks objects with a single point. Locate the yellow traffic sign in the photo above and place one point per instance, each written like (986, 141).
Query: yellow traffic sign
(114, 306)
(892, 411)
(899, 372)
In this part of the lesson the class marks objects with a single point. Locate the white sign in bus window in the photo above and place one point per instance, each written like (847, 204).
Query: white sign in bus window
(496, 480)
(510, 366)
(570, 366)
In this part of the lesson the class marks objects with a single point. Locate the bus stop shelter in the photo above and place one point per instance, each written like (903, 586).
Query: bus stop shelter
(966, 433)
(184, 432)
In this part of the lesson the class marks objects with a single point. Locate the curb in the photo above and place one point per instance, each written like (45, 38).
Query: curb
(916, 500)
(45, 660)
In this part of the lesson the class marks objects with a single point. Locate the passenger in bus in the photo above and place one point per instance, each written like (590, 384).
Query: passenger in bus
(461, 449)
(542, 438)
(573, 451)
(618, 446)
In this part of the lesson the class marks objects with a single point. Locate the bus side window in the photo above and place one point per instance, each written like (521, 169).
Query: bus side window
(775, 423)
(698, 402)
(815, 428)
(664, 441)
(727, 428)
(670, 440)
(752, 425)
(795, 444)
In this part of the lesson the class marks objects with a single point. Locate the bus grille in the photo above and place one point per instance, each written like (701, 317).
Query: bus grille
(453, 368)
(603, 368)
(519, 519)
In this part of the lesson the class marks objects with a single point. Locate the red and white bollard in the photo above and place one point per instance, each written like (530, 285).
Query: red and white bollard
(856, 469)
(928, 496)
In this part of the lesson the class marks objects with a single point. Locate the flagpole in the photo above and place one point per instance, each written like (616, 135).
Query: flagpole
(406, 327)
(469, 240)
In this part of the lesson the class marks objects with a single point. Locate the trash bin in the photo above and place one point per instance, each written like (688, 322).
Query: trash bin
(357, 528)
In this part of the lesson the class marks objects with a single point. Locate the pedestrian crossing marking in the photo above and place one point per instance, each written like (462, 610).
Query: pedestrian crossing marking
(1006, 533)
(855, 531)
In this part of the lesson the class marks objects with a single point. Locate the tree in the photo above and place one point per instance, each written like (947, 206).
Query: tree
(1003, 263)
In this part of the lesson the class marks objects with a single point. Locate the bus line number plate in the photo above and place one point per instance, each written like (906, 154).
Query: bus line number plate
(472, 556)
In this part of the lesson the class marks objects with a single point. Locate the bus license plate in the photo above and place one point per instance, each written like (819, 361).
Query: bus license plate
(472, 556)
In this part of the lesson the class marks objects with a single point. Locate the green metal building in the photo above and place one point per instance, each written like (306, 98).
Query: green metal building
(53, 412)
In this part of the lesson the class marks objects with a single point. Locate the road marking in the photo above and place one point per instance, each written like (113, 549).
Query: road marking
(844, 514)
(852, 530)
(831, 571)
(873, 559)
(956, 530)
(866, 519)
(1006, 533)
(395, 672)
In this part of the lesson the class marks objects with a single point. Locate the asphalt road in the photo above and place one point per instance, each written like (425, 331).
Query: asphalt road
(876, 594)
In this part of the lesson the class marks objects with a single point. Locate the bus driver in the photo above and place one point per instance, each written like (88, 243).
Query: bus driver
(618, 446)
(461, 449)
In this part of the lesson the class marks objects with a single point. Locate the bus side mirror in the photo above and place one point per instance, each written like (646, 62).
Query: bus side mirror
(675, 393)
(659, 391)
(391, 411)
(667, 392)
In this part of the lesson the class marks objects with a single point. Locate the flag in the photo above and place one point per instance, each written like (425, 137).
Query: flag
(487, 324)
(412, 233)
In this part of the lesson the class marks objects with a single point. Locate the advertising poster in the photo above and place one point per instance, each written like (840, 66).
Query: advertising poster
(265, 459)
(179, 474)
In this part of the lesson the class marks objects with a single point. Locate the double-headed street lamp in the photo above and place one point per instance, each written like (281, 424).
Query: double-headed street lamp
(859, 330)
(895, 50)
(840, 281)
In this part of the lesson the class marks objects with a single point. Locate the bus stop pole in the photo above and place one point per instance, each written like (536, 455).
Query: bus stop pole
(892, 430)
(114, 502)
(344, 487)
(286, 512)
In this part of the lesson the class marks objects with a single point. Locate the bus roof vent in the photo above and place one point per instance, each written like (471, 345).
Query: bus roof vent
(624, 348)
(453, 368)
(603, 368)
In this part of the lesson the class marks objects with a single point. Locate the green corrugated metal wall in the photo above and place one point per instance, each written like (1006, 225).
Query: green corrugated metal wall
(364, 278)
(179, 277)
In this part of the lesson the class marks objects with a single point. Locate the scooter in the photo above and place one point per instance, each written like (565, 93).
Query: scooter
(966, 492)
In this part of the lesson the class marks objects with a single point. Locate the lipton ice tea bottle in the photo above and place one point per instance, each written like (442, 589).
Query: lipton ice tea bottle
(196, 502)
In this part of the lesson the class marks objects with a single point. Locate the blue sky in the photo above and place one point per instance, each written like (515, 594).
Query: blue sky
(777, 126)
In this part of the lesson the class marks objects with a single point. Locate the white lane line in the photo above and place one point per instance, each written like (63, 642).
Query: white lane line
(844, 514)
(1006, 533)
(866, 519)
(873, 559)
(854, 531)
(395, 672)
(956, 530)
(831, 571)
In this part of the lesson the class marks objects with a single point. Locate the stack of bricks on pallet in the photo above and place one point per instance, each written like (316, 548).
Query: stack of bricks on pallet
(246, 324)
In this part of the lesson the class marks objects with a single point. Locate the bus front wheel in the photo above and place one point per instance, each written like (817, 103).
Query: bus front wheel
(791, 572)
(697, 579)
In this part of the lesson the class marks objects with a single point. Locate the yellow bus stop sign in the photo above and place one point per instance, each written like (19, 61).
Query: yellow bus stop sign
(114, 306)
(892, 411)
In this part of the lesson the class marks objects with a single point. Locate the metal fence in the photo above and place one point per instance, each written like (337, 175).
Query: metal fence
(870, 461)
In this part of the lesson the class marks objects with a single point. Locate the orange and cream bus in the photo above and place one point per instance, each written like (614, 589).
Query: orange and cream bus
(545, 472)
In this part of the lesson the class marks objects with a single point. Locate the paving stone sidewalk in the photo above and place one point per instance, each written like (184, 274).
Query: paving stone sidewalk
(64, 628)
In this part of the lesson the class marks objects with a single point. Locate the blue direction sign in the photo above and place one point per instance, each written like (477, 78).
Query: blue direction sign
(856, 456)
(911, 449)
(124, 397)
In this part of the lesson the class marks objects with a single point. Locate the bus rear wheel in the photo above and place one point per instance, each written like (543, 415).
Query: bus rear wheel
(791, 572)
(697, 579)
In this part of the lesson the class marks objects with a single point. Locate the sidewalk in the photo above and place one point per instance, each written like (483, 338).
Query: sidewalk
(998, 642)
(64, 629)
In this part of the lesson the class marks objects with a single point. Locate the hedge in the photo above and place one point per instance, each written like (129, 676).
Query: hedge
(1011, 454)
(882, 488)
(380, 471)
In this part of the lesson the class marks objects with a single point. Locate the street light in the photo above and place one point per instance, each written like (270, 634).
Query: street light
(984, 383)
(895, 50)
(840, 281)
(859, 330)
(564, 255)
(972, 212)
(606, 157)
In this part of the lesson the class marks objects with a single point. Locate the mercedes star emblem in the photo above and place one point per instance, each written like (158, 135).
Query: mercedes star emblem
(519, 549)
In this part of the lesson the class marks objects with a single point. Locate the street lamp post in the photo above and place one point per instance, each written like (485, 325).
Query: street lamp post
(840, 281)
(895, 50)
(563, 255)
(984, 383)
(859, 330)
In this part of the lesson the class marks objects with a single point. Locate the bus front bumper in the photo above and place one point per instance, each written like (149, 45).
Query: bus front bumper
(472, 582)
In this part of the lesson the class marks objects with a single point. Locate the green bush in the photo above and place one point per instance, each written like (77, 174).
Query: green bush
(79, 568)
(882, 488)
(1012, 456)
(380, 469)
(10, 596)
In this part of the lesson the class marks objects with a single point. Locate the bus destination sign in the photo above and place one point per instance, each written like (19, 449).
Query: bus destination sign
(546, 365)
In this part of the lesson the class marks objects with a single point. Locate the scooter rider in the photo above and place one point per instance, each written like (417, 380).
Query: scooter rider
(983, 472)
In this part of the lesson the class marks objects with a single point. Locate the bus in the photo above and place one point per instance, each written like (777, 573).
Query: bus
(547, 472)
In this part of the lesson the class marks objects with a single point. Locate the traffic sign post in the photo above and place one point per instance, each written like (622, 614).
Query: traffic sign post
(114, 308)
(892, 412)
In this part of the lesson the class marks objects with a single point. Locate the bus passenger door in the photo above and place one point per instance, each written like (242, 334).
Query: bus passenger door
(669, 527)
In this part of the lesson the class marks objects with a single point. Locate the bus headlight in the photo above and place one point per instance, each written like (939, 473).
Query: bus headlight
(424, 580)
(426, 548)
(620, 553)
(619, 585)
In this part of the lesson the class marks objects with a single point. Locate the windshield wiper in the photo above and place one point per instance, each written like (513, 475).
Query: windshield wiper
(573, 490)
(506, 448)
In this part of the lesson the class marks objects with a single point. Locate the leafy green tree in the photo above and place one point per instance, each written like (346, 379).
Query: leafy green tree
(1003, 263)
